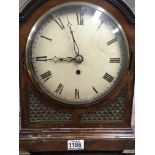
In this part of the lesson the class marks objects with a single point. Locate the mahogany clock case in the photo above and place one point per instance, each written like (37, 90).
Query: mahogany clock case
(48, 123)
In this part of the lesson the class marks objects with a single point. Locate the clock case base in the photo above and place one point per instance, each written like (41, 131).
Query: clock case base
(110, 137)
(94, 139)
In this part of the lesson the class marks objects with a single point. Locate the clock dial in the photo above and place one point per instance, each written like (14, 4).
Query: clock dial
(77, 53)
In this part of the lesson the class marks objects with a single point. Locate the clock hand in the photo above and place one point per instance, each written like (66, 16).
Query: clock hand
(55, 59)
(59, 59)
(76, 48)
(77, 59)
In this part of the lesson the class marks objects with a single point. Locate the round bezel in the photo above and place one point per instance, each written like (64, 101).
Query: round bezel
(43, 20)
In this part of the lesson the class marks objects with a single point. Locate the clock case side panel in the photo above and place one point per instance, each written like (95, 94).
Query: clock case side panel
(33, 135)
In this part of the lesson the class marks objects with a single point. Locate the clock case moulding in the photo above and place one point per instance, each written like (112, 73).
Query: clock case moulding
(103, 127)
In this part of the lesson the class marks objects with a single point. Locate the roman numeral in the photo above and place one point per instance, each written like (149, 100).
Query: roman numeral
(114, 60)
(111, 41)
(95, 90)
(59, 89)
(59, 22)
(108, 77)
(79, 17)
(41, 58)
(46, 38)
(77, 96)
(47, 75)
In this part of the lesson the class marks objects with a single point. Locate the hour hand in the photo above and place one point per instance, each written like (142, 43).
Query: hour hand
(54, 59)
(67, 59)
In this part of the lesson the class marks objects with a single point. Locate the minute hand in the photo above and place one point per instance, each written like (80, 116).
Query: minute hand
(76, 48)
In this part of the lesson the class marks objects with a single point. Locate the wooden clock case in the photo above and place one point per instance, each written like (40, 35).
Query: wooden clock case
(46, 125)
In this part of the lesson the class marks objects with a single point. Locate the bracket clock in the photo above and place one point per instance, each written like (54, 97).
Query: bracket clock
(76, 75)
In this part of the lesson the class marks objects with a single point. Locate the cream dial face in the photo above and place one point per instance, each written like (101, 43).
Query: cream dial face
(77, 53)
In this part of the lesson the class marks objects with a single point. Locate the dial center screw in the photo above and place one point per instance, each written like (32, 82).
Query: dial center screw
(79, 59)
